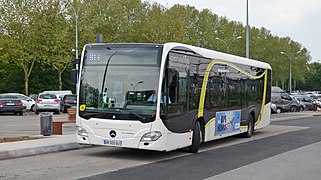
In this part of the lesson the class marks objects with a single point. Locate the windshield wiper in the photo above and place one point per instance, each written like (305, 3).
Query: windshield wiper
(130, 112)
(110, 111)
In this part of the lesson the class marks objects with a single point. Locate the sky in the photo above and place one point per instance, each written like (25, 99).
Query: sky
(300, 20)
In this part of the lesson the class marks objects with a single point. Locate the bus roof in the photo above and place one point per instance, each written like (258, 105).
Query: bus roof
(216, 55)
(198, 50)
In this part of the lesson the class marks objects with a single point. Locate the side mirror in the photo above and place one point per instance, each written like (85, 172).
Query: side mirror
(73, 76)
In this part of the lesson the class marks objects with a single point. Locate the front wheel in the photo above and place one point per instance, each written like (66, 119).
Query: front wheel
(196, 141)
(250, 128)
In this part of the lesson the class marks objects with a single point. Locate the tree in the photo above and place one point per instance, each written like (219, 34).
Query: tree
(21, 27)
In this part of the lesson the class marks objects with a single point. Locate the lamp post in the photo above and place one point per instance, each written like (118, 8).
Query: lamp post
(228, 43)
(290, 58)
(140, 82)
(76, 13)
(247, 31)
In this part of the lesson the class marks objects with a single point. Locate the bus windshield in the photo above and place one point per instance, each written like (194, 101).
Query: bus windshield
(116, 83)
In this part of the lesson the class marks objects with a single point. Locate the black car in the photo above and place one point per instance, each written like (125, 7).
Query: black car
(11, 104)
(68, 101)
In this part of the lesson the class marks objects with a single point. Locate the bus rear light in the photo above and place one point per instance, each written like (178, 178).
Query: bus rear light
(151, 136)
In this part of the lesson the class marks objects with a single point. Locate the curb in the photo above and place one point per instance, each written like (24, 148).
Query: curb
(292, 118)
(11, 154)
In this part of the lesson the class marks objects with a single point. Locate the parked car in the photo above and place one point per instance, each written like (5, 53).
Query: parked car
(59, 93)
(307, 101)
(34, 96)
(11, 104)
(283, 101)
(68, 101)
(28, 102)
(317, 98)
(47, 102)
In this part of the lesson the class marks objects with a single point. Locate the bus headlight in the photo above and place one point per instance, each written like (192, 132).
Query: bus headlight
(151, 136)
(81, 131)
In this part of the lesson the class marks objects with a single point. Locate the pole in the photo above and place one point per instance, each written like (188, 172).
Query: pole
(247, 30)
(290, 58)
(290, 75)
(77, 57)
(76, 29)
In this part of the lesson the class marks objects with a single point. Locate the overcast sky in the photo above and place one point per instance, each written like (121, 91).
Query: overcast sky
(300, 20)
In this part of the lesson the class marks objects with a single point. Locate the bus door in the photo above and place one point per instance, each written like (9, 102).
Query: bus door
(174, 110)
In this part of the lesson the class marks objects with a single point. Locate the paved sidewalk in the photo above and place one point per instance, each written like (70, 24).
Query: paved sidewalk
(56, 143)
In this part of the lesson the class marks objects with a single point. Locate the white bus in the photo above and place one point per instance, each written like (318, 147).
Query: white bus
(168, 96)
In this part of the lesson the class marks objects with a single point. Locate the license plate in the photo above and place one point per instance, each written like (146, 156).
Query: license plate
(47, 105)
(10, 104)
(113, 142)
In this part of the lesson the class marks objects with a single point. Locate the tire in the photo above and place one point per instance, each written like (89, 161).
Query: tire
(58, 112)
(301, 108)
(196, 141)
(293, 109)
(250, 128)
(278, 110)
(33, 108)
(37, 112)
(20, 113)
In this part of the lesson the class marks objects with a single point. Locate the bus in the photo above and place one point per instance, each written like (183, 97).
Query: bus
(168, 96)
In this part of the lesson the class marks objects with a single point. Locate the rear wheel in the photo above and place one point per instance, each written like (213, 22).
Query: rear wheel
(196, 141)
(250, 128)
(293, 109)
(20, 113)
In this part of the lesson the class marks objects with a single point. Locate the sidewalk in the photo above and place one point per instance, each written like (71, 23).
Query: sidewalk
(53, 143)
(57, 143)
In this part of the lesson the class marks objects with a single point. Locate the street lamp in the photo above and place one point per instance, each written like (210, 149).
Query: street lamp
(228, 43)
(140, 82)
(76, 13)
(247, 38)
(290, 58)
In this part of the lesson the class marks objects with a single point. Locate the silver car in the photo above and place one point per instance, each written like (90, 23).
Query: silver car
(283, 101)
(47, 102)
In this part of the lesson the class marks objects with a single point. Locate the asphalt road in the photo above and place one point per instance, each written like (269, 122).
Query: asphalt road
(271, 153)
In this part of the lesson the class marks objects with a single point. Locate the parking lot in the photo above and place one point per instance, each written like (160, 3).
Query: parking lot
(29, 125)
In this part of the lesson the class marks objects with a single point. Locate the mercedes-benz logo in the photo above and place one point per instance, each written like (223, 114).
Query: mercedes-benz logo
(112, 133)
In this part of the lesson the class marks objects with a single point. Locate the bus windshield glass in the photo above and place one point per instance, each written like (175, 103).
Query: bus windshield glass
(117, 83)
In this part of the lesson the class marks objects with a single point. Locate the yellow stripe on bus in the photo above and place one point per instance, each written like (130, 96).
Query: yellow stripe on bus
(205, 80)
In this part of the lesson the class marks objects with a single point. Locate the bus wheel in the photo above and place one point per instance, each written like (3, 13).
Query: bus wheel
(250, 128)
(196, 141)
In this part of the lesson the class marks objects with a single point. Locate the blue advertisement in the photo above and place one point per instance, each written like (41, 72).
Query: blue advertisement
(228, 121)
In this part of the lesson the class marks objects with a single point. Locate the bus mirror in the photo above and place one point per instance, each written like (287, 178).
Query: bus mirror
(73, 76)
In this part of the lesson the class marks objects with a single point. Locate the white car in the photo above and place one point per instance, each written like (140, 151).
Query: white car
(26, 101)
(47, 102)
